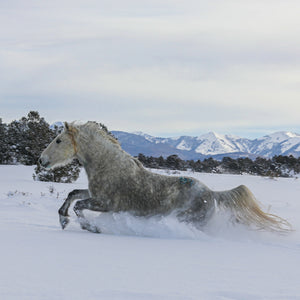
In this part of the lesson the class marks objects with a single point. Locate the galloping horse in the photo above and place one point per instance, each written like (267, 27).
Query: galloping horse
(118, 182)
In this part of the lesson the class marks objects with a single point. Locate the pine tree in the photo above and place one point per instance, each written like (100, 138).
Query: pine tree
(15, 141)
(142, 158)
(230, 165)
(3, 143)
(38, 136)
(161, 162)
(65, 174)
(27, 138)
(175, 163)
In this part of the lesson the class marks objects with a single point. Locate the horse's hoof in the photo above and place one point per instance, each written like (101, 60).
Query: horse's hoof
(95, 229)
(64, 221)
(90, 228)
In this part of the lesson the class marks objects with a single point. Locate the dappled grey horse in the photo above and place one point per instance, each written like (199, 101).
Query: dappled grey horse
(118, 182)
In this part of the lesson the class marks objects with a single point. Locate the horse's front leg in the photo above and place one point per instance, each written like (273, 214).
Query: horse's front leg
(91, 204)
(63, 211)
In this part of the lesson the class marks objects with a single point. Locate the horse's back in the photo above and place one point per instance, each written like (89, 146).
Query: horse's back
(193, 200)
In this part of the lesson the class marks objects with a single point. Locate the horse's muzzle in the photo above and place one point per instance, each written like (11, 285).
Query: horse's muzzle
(43, 162)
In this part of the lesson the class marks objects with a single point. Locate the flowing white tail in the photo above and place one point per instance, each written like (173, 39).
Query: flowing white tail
(246, 210)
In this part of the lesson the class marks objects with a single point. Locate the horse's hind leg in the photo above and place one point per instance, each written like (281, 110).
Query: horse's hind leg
(90, 204)
(63, 211)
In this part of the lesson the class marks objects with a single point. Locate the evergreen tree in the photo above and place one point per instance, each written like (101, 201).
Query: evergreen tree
(197, 166)
(245, 164)
(38, 135)
(3, 143)
(142, 158)
(27, 138)
(65, 174)
(210, 165)
(230, 165)
(161, 162)
(175, 163)
(15, 141)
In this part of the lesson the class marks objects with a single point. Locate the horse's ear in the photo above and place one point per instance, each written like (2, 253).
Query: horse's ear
(67, 127)
(70, 129)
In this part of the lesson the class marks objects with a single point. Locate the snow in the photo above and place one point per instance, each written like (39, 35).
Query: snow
(137, 258)
(175, 138)
(292, 134)
(148, 137)
(183, 145)
(213, 143)
(287, 139)
(281, 136)
(282, 142)
(290, 143)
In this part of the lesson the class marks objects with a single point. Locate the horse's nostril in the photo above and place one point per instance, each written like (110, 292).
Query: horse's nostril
(44, 162)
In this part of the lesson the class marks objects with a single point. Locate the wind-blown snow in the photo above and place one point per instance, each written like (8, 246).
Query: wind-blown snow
(139, 258)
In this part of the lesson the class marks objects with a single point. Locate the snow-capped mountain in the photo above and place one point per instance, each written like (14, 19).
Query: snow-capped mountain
(211, 144)
(214, 144)
(278, 143)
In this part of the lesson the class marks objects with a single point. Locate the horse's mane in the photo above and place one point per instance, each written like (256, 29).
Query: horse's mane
(94, 128)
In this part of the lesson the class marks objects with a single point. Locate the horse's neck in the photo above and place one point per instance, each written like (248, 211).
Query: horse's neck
(102, 157)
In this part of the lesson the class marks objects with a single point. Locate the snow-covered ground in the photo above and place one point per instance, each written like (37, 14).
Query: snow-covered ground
(137, 258)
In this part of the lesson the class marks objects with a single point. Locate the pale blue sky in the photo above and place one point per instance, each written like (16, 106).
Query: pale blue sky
(163, 67)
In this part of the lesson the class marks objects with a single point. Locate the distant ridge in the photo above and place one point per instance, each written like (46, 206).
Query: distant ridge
(211, 145)
(207, 145)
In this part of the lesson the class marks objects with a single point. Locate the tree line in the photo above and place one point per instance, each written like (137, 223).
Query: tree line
(278, 166)
(22, 142)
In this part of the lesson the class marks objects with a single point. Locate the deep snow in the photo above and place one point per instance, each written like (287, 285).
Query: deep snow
(137, 258)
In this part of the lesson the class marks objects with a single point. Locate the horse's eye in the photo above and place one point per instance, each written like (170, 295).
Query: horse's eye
(58, 141)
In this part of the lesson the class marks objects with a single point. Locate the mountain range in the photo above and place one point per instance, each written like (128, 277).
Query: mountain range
(210, 145)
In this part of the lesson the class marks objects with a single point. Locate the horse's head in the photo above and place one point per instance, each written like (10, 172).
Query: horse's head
(61, 150)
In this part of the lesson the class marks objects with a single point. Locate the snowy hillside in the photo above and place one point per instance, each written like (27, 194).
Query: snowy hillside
(284, 143)
(210, 144)
(138, 258)
(213, 144)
